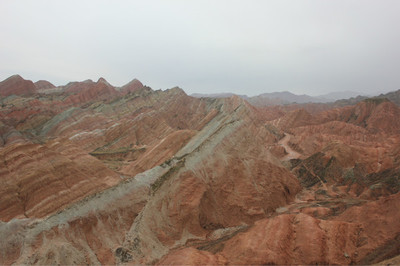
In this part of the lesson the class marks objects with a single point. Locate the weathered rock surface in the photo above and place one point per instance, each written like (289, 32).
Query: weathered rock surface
(93, 174)
(16, 85)
(37, 180)
(43, 85)
(215, 185)
(82, 92)
(298, 238)
(133, 86)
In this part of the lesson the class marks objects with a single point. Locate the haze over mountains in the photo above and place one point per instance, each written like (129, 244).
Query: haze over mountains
(274, 98)
(96, 174)
(286, 97)
(289, 153)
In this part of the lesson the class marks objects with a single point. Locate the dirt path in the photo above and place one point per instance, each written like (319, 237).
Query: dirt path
(291, 154)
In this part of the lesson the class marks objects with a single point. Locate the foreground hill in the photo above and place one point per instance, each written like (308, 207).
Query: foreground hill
(94, 174)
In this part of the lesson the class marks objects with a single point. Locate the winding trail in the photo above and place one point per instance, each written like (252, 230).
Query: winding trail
(291, 154)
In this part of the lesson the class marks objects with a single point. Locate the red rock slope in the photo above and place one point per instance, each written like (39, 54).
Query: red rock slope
(92, 174)
(44, 85)
(16, 85)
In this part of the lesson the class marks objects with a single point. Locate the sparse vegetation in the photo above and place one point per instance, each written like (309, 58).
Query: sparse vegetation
(349, 176)
(274, 131)
(157, 184)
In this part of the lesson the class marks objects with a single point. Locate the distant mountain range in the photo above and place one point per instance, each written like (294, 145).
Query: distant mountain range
(217, 95)
(342, 95)
(285, 97)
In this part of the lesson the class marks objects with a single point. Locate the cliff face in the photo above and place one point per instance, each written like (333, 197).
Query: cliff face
(95, 174)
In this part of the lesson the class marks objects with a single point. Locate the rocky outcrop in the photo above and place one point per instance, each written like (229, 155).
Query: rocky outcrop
(380, 222)
(44, 85)
(374, 114)
(291, 239)
(87, 232)
(16, 85)
(192, 256)
(83, 92)
(293, 119)
(133, 86)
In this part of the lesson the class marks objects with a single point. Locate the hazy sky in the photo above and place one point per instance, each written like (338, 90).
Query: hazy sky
(245, 47)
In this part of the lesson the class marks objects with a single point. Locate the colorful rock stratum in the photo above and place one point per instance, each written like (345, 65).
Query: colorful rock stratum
(95, 174)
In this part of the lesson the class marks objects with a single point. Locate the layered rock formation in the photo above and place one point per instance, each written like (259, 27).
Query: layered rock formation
(95, 174)
(40, 179)
(16, 85)
(44, 85)
(132, 86)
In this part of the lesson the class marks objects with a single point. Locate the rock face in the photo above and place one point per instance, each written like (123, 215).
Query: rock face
(213, 186)
(93, 174)
(44, 85)
(132, 86)
(40, 179)
(82, 92)
(285, 239)
(16, 85)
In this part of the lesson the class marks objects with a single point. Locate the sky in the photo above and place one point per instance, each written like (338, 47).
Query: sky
(245, 47)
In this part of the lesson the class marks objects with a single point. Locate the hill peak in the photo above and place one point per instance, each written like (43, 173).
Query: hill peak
(133, 86)
(16, 85)
(15, 76)
(43, 85)
(177, 90)
(104, 81)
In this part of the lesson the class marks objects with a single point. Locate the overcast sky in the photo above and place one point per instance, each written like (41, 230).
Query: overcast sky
(245, 47)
